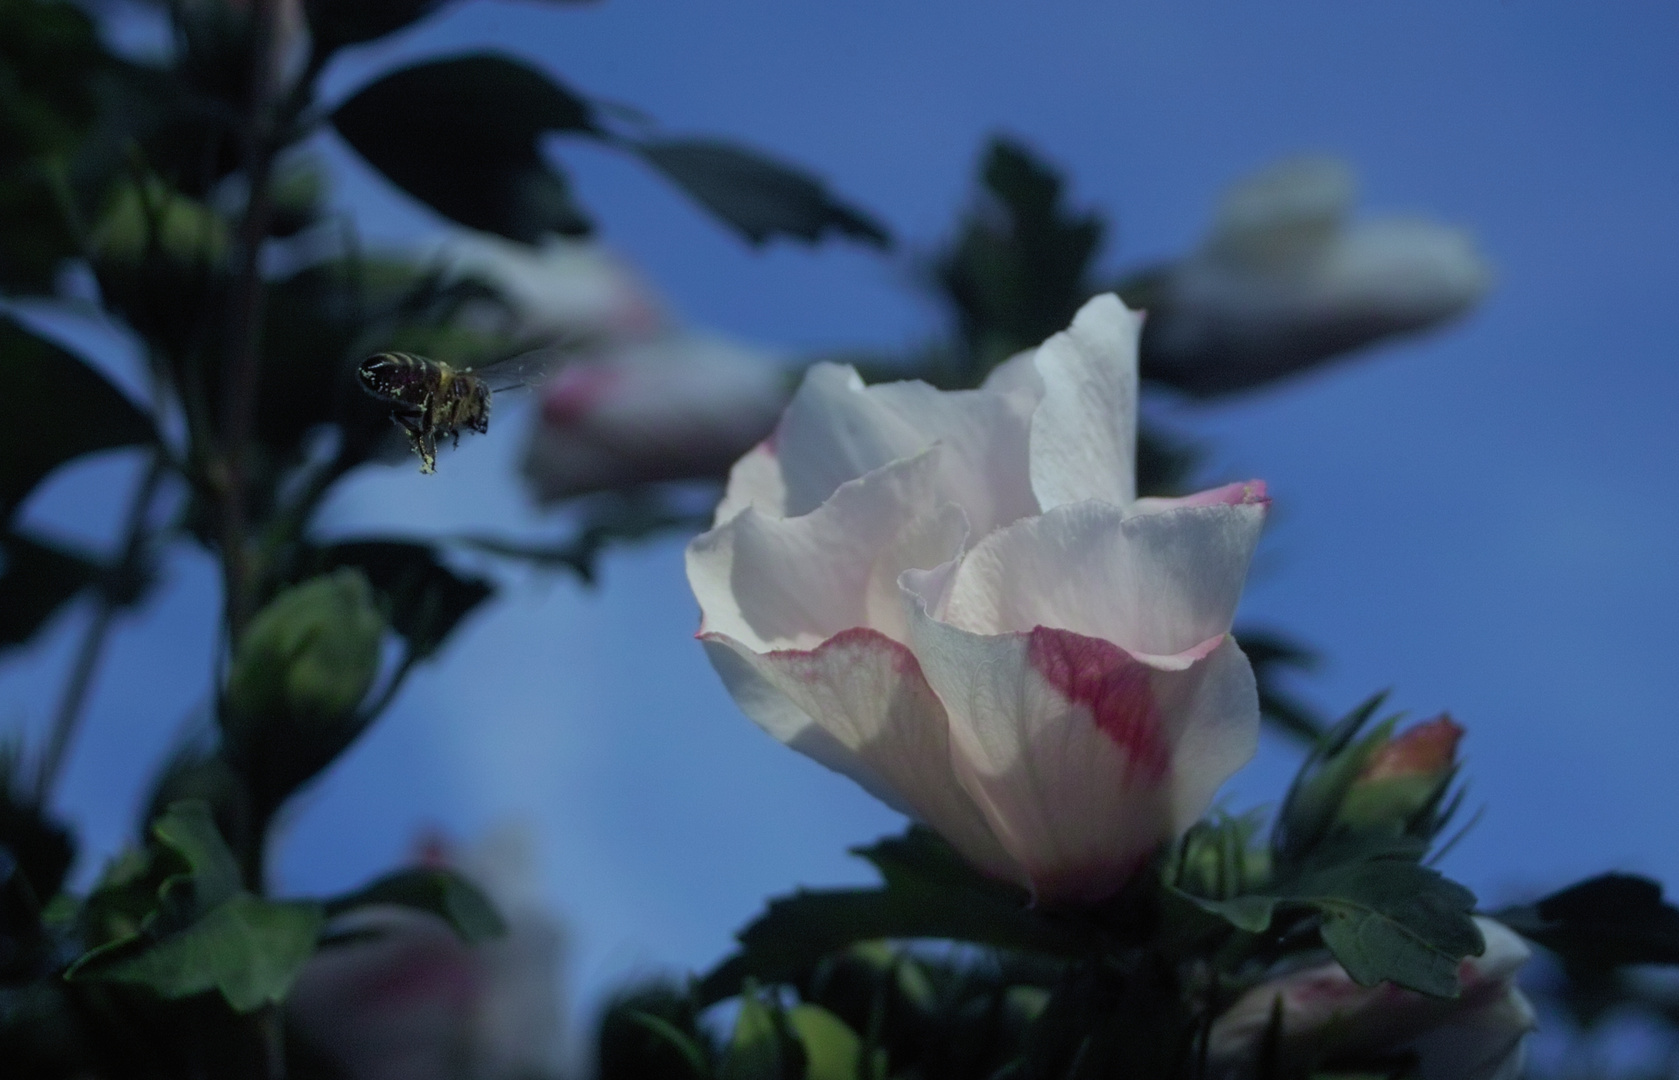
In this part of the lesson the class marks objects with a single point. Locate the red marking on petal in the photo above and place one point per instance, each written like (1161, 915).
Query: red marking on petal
(1113, 685)
(576, 391)
(861, 638)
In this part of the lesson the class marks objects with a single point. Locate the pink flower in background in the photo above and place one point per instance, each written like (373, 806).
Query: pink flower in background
(403, 998)
(956, 599)
(677, 407)
(1327, 1017)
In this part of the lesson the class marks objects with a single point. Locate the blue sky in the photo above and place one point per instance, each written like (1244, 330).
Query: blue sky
(1481, 519)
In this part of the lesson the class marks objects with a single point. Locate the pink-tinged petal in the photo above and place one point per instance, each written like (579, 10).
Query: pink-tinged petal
(836, 429)
(1245, 493)
(858, 703)
(1215, 711)
(756, 481)
(1084, 432)
(1155, 584)
(1071, 746)
(793, 582)
(1475, 1036)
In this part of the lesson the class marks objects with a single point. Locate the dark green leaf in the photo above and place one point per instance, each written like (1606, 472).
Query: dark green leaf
(1272, 655)
(443, 893)
(676, 1038)
(929, 893)
(627, 1047)
(333, 24)
(247, 948)
(1605, 921)
(463, 136)
(50, 57)
(755, 1051)
(36, 579)
(188, 829)
(1389, 919)
(59, 408)
(1248, 913)
(1019, 269)
(758, 197)
(424, 600)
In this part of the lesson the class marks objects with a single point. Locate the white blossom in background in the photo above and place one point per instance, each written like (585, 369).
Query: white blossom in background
(406, 999)
(1286, 281)
(1480, 1035)
(956, 599)
(636, 398)
(679, 407)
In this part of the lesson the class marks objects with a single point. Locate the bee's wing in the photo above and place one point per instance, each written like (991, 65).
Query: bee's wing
(522, 369)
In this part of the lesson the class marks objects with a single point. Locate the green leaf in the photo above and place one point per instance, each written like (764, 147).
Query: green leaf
(664, 1030)
(50, 60)
(188, 829)
(443, 893)
(832, 1050)
(463, 135)
(1392, 920)
(755, 1047)
(1602, 922)
(930, 892)
(758, 197)
(247, 948)
(36, 579)
(59, 408)
(1018, 270)
(1251, 914)
(423, 599)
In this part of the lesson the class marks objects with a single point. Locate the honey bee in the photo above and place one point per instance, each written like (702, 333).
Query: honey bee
(430, 399)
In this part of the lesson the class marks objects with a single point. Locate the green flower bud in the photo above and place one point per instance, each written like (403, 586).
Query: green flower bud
(182, 229)
(309, 656)
(1401, 777)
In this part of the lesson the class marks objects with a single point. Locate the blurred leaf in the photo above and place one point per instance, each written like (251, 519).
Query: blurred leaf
(463, 136)
(832, 1050)
(333, 24)
(49, 55)
(758, 197)
(1605, 921)
(1272, 655)
(35, 855)
(1018, 270)
(188, 829)
(676, 1038)
(652, 1032)
(36, 579)
(59, 408)
(247, 948)
(1251, 914)
(755, 1051)
(1392, 920)
(441, 892)
(930, 892)
(423, 599)
(1309, 807)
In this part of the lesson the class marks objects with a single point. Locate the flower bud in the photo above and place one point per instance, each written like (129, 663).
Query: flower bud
(309, 656)
(1401, 776)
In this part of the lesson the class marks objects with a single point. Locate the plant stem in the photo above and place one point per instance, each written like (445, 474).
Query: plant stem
(244, 325)
(68, 717)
